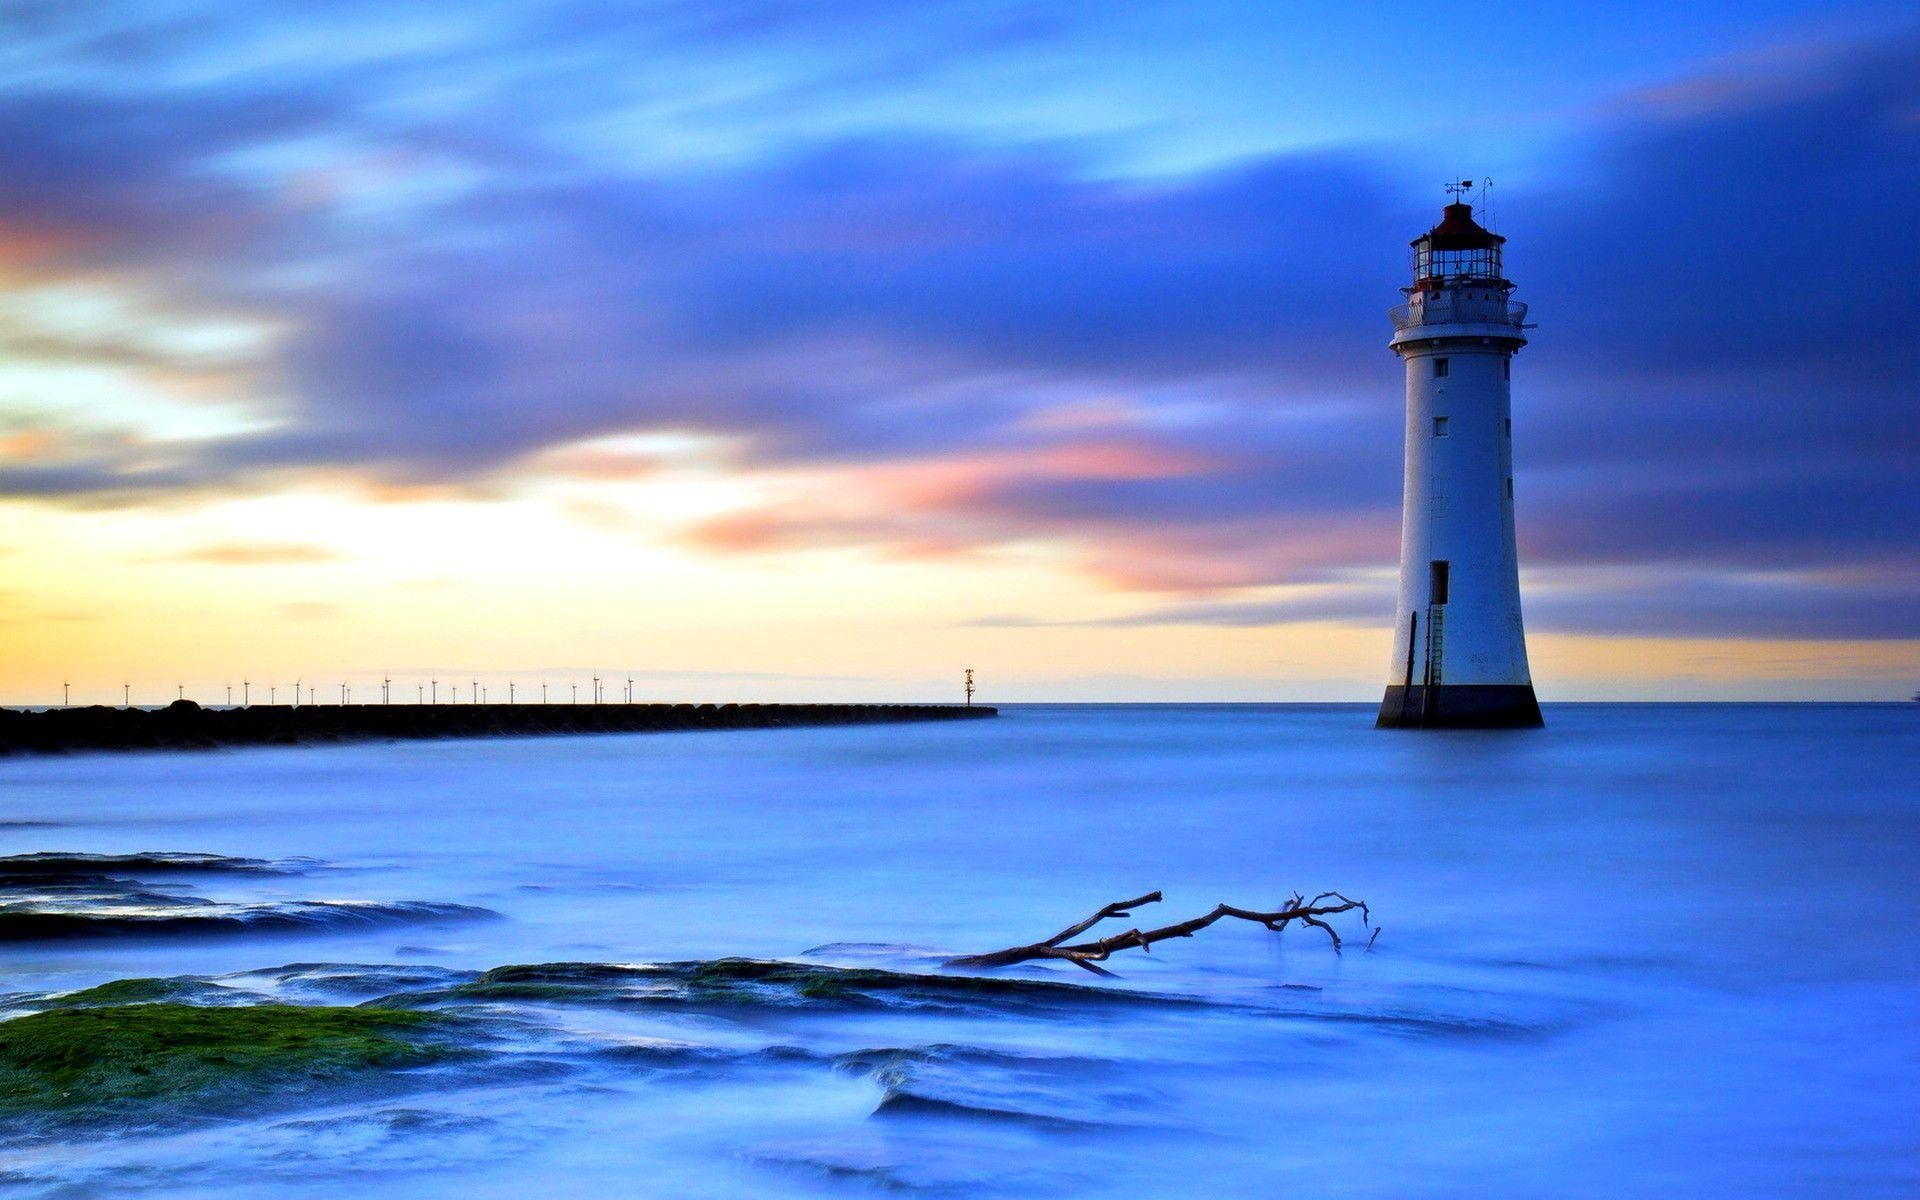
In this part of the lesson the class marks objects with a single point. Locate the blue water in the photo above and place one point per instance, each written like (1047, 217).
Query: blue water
(1649, 951)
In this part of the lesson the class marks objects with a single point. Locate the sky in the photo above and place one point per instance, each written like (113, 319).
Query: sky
(779, 350)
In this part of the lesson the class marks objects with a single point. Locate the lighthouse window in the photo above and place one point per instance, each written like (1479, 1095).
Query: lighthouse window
(1440, 427)
(1509, 426)
(1437, 581)
(1439, 368)
(1509, 487)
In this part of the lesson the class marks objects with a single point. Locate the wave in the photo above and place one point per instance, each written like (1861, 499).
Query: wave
(149, 862)
(60, 896)
(901, 1103)
(1054, 1091)
(886, 1063)
(22, 924)
(1417, 1024)
(334, 981)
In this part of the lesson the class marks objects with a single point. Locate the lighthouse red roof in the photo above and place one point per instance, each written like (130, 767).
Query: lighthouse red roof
(1458, 230)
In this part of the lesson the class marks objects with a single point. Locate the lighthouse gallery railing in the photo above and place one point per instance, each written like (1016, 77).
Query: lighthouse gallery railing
(1459, 312)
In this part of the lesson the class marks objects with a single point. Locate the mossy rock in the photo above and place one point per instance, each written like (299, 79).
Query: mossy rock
(125, 1057)
(753, 981)
(146, 991)
(483, 989)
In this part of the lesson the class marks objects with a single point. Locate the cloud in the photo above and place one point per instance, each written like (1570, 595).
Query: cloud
(1342, 605)
(309, 610)
(1844, 606)
(68, 614)
(254, 554)
(947, 344)
(1873, 605)
(1727, 348)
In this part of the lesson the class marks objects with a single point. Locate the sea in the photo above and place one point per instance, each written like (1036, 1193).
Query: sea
(1651, 950)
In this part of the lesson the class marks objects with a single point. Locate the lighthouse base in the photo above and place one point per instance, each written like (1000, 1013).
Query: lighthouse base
(1460, 706)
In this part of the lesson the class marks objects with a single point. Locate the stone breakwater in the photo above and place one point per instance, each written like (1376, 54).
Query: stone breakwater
(184, 725)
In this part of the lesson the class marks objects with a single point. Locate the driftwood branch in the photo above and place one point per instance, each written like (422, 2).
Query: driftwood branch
(1089, 955)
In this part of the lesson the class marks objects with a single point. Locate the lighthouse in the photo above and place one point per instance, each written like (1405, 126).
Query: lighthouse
(1459, 649)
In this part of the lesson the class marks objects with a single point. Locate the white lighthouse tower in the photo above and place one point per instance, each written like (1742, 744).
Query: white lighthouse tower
(1459, 651)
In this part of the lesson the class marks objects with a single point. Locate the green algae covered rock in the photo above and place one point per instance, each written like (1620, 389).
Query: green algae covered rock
(145, 991)
(775, 983)
(169, 1057)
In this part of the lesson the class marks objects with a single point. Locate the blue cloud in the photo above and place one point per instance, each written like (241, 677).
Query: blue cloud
(1719, 381)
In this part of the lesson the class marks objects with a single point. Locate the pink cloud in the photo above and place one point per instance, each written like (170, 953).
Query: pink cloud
(255, 554)
(947, 506)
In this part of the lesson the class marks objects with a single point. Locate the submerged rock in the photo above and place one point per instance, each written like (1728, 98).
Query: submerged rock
(775, 982)
(51, 896)
(186, 918)
(184, 989)
(170, 1057)
(140, 1051)
(901, 1103)
(149, 862)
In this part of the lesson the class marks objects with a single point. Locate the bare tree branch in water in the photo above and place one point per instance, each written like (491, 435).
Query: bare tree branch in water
(1089, 954)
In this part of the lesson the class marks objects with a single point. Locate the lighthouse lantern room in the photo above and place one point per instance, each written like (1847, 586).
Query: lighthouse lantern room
(1460, 651)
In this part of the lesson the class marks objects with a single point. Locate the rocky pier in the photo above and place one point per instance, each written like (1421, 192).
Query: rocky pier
(185, 725)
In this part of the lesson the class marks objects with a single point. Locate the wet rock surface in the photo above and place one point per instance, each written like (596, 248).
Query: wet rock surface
(307, 1035)
(54, 896)
(169, 1058)
(168, 1050)
(14, 867)
(776, 983)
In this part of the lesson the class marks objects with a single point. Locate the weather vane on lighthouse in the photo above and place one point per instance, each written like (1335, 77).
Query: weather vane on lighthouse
(1459, 650)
